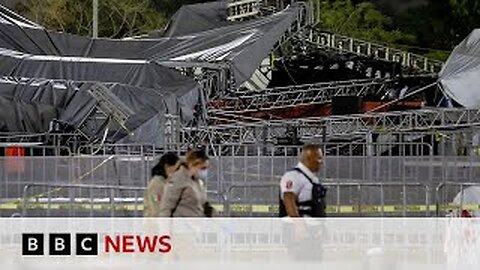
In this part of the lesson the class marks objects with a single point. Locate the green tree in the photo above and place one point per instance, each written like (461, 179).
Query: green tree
(441, 24)
(169, 7)
(469, 9)
(362, 20)
(117, 18)
(431, 24)
(466, 14)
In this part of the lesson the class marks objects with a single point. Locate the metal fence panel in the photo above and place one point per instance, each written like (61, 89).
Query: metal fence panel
(251, 164)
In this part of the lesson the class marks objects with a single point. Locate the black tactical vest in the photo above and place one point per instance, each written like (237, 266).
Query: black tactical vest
(315, 207)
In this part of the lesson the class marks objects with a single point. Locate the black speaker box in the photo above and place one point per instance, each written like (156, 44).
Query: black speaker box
(342, 105)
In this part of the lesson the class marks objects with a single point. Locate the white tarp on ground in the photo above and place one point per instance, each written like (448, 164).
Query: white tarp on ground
(471, 196)
(460, 77)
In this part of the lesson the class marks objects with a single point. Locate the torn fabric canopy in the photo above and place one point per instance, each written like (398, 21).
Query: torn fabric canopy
(242, 45)
(196, 18)
(29, 105)
(460, 75)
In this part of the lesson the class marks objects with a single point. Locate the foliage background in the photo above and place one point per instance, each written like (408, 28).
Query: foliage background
(430, 27)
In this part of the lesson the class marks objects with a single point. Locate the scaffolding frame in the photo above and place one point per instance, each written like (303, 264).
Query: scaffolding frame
(309, 94)
(337, 42)
(239, 10)
(242, 10)
(414, 120)
(235, 129)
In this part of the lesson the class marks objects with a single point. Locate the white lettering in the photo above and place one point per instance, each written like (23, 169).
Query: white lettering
(32, 244)
(85, 248)
(59, 244)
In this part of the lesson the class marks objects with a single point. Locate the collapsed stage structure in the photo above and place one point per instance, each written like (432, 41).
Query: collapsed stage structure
(306, 87)
(252, 80)
(50, 77)
(232, 67)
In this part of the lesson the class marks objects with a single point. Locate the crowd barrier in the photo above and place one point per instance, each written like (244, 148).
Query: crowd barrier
(379, 168)
(343, 199)
(130, 165)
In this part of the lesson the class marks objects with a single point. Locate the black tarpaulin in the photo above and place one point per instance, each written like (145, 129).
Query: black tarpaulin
(197, 18)
(132, 72)
(19, 116)
(135, 73)
(62, 66)
(29, 105)
(243, 45)
(46, 75)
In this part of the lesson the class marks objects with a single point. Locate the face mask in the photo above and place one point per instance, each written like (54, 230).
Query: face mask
(203, 174)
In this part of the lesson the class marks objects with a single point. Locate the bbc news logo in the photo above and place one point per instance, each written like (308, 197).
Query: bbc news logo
(86, 244)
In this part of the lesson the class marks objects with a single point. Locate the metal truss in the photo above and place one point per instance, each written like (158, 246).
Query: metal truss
(415, 120)
(406, 121)
(111, 106)
(228, 128)
(262, 76)
(253, 130)
(239, 10)
(380, 52)
(250, 133)
(291, 96)
(215, 78)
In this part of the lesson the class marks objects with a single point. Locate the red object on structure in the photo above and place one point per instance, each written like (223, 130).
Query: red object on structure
(15, 162)
(368, 106)
(15, 151)
(324, 110)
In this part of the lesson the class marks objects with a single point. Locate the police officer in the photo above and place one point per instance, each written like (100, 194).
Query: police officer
(301, 193)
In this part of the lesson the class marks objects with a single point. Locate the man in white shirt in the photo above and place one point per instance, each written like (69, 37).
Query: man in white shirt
(301, 193)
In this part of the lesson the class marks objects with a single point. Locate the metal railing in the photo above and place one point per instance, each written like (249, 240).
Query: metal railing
(378, 51)
(229, 204)
(243, 9)
(54, 139)
(241, 164)
(414, 200)
(358, 149)
(237, 164)
(422, 148)
(32, 150)
(71, 201)
(336, 206)
(108, 200)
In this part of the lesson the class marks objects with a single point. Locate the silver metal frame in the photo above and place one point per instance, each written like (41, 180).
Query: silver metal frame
(358, 187)
(291, 96)
(236, 129)
(381, 52)
(239, 10)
